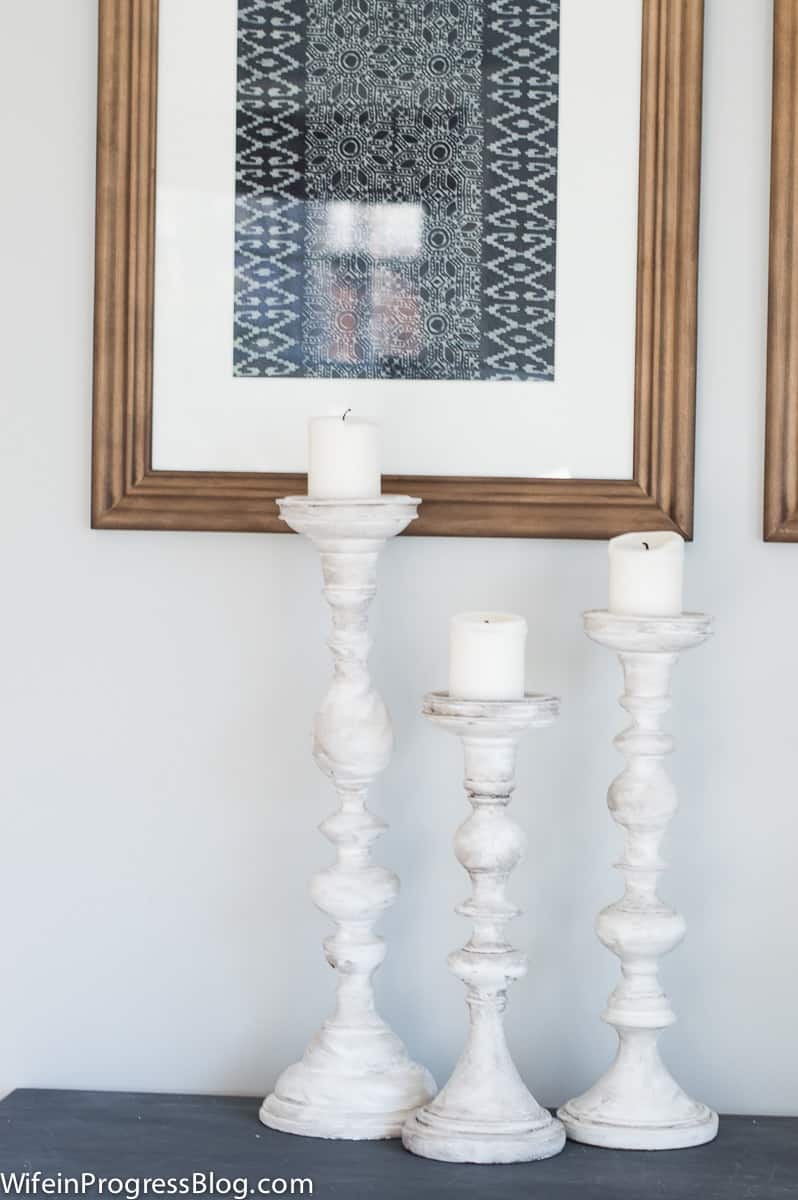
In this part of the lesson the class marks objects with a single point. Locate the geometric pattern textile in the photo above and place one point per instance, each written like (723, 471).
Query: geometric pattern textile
(396, 188)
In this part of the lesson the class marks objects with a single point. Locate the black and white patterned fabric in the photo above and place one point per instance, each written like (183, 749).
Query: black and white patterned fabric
(396, 188)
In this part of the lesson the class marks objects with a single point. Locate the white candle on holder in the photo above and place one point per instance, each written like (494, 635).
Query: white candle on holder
(486, 656)
(343, 458)
(646, 574)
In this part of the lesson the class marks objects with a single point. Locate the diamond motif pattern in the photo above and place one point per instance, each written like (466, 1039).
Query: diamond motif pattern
(396, 188)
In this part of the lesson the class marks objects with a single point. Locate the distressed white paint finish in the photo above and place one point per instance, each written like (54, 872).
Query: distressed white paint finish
(637, 1104)
(485, 1113)
(355, 1080)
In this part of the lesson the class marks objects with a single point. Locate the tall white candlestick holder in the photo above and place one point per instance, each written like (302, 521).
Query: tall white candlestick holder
(355, 1080)
(637, 1104)
(485, 1113)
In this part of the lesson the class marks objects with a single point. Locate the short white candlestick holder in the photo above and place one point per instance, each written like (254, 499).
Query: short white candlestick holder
(355, 1080)
(485, 1113)
(637, 1104)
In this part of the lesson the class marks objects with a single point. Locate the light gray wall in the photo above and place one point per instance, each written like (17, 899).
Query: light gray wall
(157, 825)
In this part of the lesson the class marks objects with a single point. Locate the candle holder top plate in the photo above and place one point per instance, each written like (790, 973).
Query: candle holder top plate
(487, 718)
(375, 518)
(647, 635)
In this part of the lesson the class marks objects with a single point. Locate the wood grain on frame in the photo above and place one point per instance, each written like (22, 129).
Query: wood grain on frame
(128, 494)
(781, 436)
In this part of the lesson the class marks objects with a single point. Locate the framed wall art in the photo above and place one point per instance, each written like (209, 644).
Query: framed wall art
(781, 436)
(473, 220)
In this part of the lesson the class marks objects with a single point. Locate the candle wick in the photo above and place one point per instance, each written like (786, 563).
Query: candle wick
(346, 414)
(646, 545)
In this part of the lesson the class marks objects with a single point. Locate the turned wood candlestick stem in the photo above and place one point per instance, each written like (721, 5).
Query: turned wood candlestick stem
(637, 1104)
(485, 1113)
(355, 1080)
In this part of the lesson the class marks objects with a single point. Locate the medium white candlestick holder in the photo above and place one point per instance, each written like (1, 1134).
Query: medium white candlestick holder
(485, 1113)
(637, 1104)
(355, 1080)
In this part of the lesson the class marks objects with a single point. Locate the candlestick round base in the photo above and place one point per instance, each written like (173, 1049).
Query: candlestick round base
(338, 1101)
(320, 1121)
(614, 1134)
(449, 1139)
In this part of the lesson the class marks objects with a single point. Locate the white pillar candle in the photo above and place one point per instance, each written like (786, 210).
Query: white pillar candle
(486, 656)
(343, 458)
(646, 574)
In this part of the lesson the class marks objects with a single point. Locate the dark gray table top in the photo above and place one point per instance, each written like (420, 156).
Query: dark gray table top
(134, 1136)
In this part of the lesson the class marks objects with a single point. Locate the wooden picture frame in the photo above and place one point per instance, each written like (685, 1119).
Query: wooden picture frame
(127, 493)
(781, 427)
